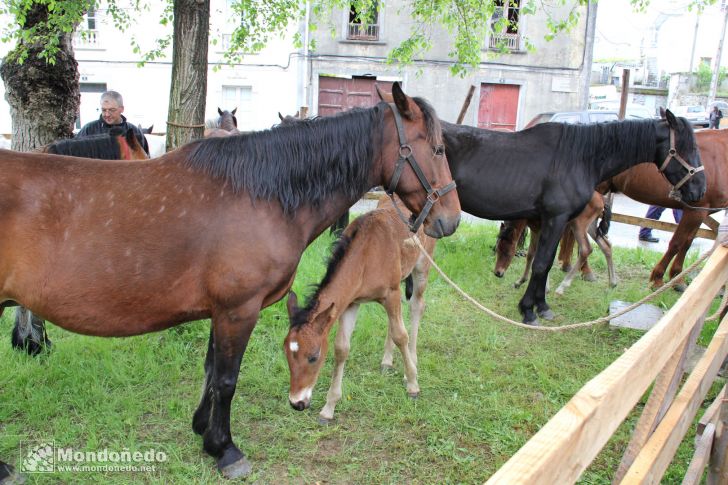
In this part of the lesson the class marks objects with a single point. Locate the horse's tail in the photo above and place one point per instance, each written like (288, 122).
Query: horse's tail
(603, 226)
(409, 286)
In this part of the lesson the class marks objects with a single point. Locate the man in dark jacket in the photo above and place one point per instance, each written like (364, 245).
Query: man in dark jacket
(112, 107)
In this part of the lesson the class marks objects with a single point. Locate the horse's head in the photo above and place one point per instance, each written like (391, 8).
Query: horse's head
(305, 347)
(679, 159)
(129, 146)
(414, 164)
(227, 120)
(506, 245)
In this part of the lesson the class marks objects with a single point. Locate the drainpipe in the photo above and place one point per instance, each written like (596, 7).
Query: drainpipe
(718, 55)
(591, 21)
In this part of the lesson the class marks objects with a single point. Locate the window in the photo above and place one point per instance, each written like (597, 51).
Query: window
(363, 26)
(505, 25)
(87, 35)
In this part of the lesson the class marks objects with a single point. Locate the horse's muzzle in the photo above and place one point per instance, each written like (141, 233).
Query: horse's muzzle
(442, 227)
(299, 405)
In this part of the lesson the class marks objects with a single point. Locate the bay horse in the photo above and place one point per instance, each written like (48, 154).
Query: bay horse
(644, 184)
(586, 223)
(29, 331)
(374, 254)
(226, 125)
(550, 171)
(214, 229)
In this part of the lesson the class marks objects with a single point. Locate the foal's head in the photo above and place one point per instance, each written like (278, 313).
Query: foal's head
(305, 346)
(506, 245)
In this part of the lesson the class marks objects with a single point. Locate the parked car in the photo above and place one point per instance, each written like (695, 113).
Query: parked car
(574, 117)
(695, 114)
(633, 112)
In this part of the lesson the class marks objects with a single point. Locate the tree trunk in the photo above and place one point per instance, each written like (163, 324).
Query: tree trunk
(188, 92)
(43, 98)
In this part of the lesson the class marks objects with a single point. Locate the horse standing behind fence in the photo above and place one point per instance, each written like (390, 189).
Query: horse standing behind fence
(374, 254)
(29, 331)
(214, 229)
(226, 125)
(576, 230)
(550, 172)
(643, 183)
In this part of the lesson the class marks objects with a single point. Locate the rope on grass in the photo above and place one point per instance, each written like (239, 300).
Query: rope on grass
(572, 326)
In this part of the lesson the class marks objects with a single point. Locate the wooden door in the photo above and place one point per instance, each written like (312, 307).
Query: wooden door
(338, 94)
(498, 109)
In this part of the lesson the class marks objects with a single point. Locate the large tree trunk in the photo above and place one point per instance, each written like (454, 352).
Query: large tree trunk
(43, 98)
(186, 115)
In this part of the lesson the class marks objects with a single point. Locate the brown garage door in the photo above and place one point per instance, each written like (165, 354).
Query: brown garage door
(338, 94)
(498, 106)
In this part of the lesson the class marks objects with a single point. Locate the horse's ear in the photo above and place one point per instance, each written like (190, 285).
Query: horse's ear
(233, 111)
(324, 319)
(130, 138)
(292, 304)
(386, 97)
(219, 111)
(151, 127)
(662, 113)
(280, 116)
(401, 101)
(671, 120)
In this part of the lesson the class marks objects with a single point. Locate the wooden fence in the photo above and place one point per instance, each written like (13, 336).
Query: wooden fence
(567, 444)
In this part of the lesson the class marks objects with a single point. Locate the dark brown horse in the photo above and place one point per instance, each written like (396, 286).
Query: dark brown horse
(29, 331)
(226, 125)
(644, 183)
(214, 229)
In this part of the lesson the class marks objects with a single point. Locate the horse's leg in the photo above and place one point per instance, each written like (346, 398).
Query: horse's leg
(532, 245)
(579, 233)
(683, 244)
(29, 332)
(417, 304)
(398, 333)
(342, 344)
(682, 238)
(566, 248)
(606, 247)
(201, 417)
(535, 295)
(8, 475)
(231, 329)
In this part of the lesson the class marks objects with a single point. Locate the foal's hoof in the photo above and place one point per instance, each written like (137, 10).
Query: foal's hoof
(546, 314)
(323, 421)
(413, 395)
(386, 369)
(589, 277)
(233, 464)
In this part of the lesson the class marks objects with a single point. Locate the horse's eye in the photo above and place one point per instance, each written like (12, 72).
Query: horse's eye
(438, 150)
(313, 358)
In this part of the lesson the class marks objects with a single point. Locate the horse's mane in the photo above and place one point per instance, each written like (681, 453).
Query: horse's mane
(103, 147)
(337, 256)
(630, 139)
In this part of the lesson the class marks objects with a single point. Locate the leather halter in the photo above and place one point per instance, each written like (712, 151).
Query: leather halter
(407, 155)
(674, 193)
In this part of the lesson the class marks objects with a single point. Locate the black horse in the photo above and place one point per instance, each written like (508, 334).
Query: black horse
(550, 172)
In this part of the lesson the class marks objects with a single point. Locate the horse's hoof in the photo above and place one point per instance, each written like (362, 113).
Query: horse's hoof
(546, 314)
(413, 395)
(534, 322)
(517, 285)
(566, 268)
(9, 476)
(236, 469)
(589, 277)
(386, 369)
(324, 421)
(680, 287)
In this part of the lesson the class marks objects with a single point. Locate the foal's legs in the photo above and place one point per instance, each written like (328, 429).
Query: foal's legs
(29, 332)
(606, 247)
(417, 304)
(398, 334)
(535, 294)
(532, 245)
(231, 329)
(585, 250)
(342, 345)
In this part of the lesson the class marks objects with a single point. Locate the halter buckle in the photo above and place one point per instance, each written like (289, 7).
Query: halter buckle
(405, 151)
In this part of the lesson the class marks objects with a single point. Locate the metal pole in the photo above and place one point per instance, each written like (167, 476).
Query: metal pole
(718, 55)
(625, 94)
(695, 42)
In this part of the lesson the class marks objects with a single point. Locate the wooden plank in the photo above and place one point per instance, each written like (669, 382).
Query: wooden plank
(662, 395)
(711, 414)
(700, 457)
(718, 469)
(655, 457)
(466, 105)
(567, 444)
(661, 225)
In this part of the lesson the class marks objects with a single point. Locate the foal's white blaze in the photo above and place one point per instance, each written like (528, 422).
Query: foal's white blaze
(302, 395)
(293, 346)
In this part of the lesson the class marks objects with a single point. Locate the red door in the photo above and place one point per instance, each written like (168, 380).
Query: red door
(498, 108)
(338, 94)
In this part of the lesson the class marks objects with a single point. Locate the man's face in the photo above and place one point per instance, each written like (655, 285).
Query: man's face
(111, 111)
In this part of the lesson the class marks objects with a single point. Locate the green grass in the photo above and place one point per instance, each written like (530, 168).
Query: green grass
(486, 387)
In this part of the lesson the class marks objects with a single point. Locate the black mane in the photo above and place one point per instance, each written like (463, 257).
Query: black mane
(304, 161)
(337, 256)
(630, 140)
(103, 147)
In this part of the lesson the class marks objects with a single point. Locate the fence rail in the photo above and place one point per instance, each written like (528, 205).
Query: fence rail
(567, 444)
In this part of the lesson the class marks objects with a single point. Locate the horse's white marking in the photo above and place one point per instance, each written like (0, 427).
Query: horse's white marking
(303, 395)
(161, 209)
(70, 196)
(183, 213)
(108, 222)
(293, 346)
(127, 252)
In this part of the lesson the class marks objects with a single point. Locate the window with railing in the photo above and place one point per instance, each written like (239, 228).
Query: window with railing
(363, 25)
(87, 35)
(505, 26)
